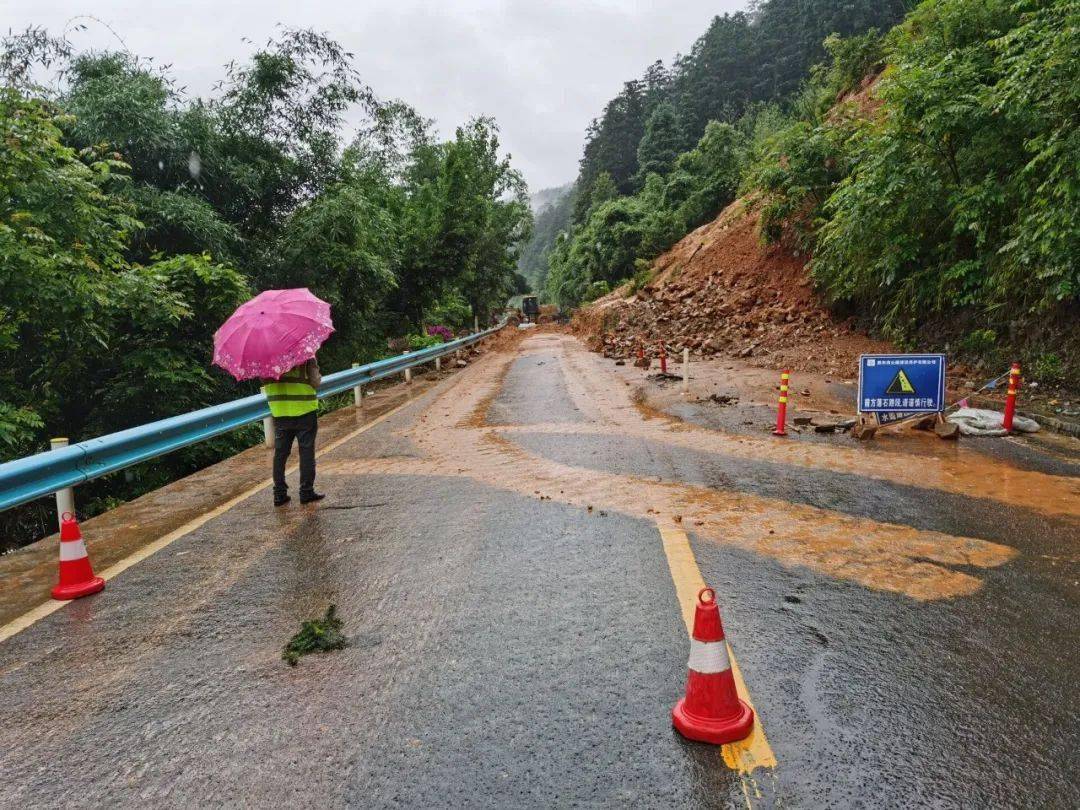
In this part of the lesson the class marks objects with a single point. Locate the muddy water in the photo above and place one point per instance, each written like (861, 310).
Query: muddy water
(454, 438)
(963, 472)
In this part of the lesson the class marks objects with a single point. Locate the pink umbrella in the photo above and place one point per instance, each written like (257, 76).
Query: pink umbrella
(272, 333)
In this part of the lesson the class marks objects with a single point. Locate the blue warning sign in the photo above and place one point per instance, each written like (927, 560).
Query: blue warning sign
(895, 383)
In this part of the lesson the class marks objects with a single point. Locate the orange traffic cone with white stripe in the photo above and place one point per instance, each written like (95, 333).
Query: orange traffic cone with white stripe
(711, 711)
(76, 576)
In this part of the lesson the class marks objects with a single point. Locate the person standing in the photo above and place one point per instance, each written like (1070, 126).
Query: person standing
(295, 408)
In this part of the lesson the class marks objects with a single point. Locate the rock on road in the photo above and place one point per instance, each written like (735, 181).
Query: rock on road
(500, 548)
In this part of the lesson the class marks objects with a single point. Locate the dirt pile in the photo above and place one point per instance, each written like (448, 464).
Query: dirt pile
(720, 291)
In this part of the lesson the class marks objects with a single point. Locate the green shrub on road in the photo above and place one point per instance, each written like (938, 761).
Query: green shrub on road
(315, 636)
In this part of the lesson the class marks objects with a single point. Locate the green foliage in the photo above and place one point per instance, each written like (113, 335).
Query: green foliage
(963, 194)
(979, 342)
(466, 211)
(691, 125)
(611, 144)
(850, 60)
(134, 219)
(642, 276)
(550, 221)
(956, 188)
(706, 178)
(605, 248)
(791, 174)
(659, 144)
(417, 341)
(17, 425)
(621, 233)
(62, 236)
(742, 59)
(452, 309)
(316, 636)
(158, 359)
(602, 190)
(342, 245)
(945, 195)
(1039, 88)
(1048, 368)
(597, 289)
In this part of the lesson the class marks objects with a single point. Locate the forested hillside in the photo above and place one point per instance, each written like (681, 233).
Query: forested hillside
(135, 217)
(928, 172)
(745, 65)
(551, 218)
(545, 197)
(762, 54)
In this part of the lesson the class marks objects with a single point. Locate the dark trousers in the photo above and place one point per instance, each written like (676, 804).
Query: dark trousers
(303, 429)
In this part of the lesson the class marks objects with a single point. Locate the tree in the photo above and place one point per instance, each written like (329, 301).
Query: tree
(62, 239)
(344, 246)
(960, 195)
(607, 247)
(705, 179)
(660, 144)
(611, 142)
(1039, 85)
(742, 60)
(135, 219)
(551, 220)
(466, 213)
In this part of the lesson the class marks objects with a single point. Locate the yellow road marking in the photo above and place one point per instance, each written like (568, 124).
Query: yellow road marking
(41, 611)
(753, 752)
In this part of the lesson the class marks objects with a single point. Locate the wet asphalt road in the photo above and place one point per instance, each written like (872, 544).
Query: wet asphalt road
(509, 651)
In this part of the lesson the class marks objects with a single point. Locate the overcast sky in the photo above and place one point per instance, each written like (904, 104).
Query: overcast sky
(543, 69)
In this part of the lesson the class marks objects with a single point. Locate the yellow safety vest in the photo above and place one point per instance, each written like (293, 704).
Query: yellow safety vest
(291, 394)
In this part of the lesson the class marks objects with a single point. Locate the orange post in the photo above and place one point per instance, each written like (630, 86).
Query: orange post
(781, 413)
(1010, 397)
(663, 358)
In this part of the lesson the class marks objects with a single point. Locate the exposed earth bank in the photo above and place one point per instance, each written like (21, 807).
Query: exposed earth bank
(721, 293)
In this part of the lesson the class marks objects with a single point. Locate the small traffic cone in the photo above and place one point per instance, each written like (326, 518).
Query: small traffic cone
(711, 711)
(76, 576)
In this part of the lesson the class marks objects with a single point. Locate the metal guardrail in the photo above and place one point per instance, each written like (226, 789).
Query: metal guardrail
(26, 479)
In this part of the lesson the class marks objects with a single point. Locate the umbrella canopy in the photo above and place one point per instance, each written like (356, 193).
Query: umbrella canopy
(273, 332)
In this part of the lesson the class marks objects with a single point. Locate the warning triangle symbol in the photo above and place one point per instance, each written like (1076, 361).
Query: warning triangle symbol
(900, 384)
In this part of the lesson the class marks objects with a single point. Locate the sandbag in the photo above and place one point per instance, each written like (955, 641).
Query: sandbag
(983, 422)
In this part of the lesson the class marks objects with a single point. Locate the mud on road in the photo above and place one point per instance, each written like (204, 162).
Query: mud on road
(903, 620)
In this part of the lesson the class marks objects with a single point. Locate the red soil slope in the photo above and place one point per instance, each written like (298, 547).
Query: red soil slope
(720, 291)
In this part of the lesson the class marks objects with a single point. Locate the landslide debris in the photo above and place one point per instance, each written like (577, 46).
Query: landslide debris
(316, 635)
(721, 291)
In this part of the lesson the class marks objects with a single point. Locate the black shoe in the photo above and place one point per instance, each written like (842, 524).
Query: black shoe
(311, 498)
(284, 499)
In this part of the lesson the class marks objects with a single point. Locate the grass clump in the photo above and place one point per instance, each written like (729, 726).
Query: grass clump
(316, 635)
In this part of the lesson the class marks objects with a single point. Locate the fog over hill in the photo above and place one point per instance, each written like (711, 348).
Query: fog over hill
(539, 200)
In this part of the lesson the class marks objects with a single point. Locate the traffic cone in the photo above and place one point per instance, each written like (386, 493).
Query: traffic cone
(711, 711)
(76, 576)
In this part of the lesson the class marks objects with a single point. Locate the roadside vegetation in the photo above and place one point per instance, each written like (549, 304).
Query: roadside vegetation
(928, 169)
(135, 217)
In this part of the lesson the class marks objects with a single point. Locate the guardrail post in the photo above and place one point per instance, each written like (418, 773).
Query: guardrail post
(686, 370)
(408, 372)
(268, 430)
(65, 498)
(358, 391)
(438, 364)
